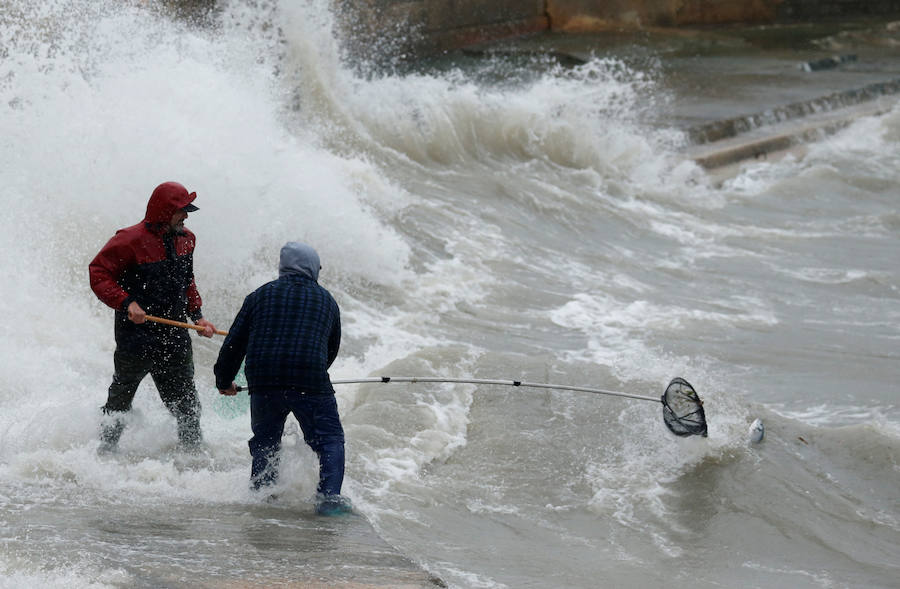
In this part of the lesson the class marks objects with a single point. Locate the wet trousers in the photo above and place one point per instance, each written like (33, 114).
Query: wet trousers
(173, 375)
(322, 431)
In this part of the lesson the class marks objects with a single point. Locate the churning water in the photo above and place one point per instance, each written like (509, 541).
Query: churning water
(537, 224)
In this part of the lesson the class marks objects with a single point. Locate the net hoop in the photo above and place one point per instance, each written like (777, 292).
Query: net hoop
(683, 410)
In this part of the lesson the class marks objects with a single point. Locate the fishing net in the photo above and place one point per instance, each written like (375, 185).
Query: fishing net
(683, 409)
(236, 406)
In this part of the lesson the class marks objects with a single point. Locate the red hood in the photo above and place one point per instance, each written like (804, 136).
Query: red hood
(167, 198)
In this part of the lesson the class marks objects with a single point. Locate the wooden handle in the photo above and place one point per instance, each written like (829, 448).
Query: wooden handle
(180, 324)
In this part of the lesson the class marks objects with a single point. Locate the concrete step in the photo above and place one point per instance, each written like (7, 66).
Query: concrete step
(770, 142)
(740, 141)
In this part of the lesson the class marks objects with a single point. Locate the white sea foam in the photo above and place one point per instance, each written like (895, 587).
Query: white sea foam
(607, 321)
(81, 576)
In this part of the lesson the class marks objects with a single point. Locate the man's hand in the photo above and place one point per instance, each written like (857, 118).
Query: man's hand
(135, 313)
(208, 328)
(230, 391)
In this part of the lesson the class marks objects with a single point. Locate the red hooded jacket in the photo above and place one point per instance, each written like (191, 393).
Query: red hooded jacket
(151, 265)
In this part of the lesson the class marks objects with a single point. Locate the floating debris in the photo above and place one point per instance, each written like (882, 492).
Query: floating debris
(757, 431)
(827, 63)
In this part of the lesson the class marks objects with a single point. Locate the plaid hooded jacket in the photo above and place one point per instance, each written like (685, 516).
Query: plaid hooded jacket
(289, 330)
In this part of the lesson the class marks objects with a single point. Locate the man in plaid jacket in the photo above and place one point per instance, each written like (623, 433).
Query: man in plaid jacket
(289, 331)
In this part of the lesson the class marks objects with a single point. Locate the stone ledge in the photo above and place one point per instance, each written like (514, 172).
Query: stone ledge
(799, 111)
(773, 141)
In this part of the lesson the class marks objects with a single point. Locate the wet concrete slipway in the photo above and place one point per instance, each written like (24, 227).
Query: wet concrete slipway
(282, 544)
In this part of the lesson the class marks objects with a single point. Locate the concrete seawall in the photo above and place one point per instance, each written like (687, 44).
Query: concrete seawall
(591, 15)
(432, 26)
(440, 25)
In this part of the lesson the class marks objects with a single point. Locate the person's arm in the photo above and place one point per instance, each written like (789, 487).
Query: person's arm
(230, 391)
(233, 350)
(334, 339)
(106, 268)
(136, 313)
(194, 300)
(208, 328)
(195, 303)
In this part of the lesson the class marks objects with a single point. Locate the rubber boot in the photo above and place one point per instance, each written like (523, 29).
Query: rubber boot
(110, 432)
(331, 505)
(190, 438)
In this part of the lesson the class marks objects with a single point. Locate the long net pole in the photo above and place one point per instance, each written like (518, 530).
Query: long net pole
(512, 383)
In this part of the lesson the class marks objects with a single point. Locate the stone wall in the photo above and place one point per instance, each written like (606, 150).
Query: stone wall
(592, 15)
(395, 27)
(818, 9)
(436, 25)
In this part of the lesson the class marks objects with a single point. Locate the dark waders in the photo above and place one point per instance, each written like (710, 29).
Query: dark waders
(173, 375)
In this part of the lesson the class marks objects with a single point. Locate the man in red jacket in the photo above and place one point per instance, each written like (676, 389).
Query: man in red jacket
(148, 269)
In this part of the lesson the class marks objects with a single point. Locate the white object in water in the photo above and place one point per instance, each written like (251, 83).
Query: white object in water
(757, 431)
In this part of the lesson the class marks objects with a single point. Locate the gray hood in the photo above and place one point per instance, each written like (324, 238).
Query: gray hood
(299, 258)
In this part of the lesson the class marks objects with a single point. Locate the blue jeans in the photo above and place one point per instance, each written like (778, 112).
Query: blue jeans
(322, 431)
